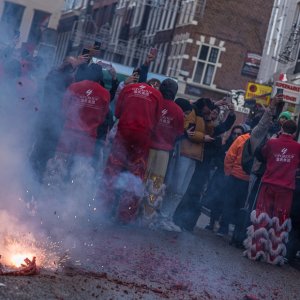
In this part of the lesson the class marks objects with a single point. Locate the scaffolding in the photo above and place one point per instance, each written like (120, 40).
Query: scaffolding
(85, 31)
(290, 51)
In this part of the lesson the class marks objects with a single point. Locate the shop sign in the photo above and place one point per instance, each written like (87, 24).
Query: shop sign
(251, 64)
(291, 92)
(259, 92)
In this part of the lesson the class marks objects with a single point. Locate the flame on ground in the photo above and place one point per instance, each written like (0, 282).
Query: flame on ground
(17, 260)
(15, 252)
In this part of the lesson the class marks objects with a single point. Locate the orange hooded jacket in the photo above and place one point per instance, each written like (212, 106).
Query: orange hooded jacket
(233, 158)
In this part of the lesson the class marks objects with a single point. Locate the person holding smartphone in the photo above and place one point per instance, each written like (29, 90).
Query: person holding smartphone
(198, 131)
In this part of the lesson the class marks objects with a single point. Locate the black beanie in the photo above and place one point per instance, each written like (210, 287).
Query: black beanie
(184, 104)
(92, 72)
(169, 88)
(95, 73)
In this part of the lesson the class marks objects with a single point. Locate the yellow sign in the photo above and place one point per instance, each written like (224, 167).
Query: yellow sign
(259, 92)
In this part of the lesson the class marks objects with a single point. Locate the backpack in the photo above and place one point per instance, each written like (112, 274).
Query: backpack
(247, 157)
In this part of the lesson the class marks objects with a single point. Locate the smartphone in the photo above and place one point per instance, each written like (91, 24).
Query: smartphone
(153, 51)
(279, 92)
(192, 126)
(97, 46)
(85, 51)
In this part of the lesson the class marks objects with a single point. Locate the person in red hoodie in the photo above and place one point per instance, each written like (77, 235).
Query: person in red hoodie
(167, 130)
(85, 107)
(138, 111)
(268, 234)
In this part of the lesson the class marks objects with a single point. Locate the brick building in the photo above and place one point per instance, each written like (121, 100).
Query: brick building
(84, 22)
(204, 44)
(207, 45)
(214, 43)
(32, 24)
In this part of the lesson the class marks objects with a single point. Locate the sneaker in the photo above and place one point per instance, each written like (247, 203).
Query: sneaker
(222, 232)
(169, 226)
(209, 227)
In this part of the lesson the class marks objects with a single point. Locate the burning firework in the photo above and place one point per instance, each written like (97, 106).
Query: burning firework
(19, 249)
(29, 268)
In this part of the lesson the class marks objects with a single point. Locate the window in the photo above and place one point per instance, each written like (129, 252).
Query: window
(12, 15)
(39, 24)
(73, 4)
(206, 64)
(187, 11)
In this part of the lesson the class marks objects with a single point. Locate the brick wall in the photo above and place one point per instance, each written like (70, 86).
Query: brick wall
(242, 25)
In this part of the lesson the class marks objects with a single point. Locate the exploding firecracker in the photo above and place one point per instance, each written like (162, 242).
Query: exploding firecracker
(27, 268)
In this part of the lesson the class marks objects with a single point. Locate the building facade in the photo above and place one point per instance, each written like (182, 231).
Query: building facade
(208, 46)
(29, 17)
(280, 65)
(204, 44)
(84, 23)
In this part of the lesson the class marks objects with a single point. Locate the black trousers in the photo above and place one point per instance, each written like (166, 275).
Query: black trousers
(189, 210)
(213, 198)
(235, 195)
(293, 245)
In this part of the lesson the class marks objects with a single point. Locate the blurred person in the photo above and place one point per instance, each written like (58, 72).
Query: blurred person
(215, 192)
(179, 172)
(170, 126)
(277, 125)
(260, 134)
(50, 115)
(85, 106)
(138, 111)
(82, 71)
(155, 83)
(197, 131)
(138, 75)
(293, 246)
(268, 234)
(102, 143)
(236, 182)
(191, 205)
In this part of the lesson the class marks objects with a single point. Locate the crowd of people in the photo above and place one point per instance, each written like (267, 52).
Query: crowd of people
(162, 159)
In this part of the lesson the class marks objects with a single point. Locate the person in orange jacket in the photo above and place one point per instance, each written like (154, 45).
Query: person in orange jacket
(236, 182)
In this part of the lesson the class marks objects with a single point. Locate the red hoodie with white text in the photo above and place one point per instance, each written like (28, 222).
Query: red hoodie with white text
(283, 159)
(137, 107)
(86, 105)
(169, 127)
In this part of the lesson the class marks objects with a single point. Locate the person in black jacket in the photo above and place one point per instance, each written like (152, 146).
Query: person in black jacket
(213, 197)
(293, 246)
(50, 120)
(188, 212)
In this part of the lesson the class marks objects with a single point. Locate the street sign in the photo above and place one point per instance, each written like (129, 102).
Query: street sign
(260, 92)
(291, 92)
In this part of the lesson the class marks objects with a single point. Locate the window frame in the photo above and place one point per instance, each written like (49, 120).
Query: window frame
(206, 64)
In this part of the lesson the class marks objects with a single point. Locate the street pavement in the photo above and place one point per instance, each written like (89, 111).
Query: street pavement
(124, 262)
